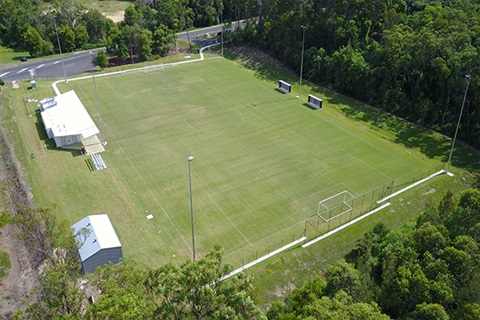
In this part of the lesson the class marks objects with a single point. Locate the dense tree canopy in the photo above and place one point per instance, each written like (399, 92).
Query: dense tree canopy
(406, 57)
(427, 270)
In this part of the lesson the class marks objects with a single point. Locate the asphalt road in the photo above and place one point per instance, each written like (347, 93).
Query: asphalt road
(80, 62)
(75, 64)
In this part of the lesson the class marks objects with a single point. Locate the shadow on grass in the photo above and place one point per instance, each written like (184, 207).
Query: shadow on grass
(264, 68)
(412, 136)
(50, 143)
(310, 107)
(430, 143)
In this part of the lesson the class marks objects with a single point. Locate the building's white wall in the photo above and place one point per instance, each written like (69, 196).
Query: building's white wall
(67, 140)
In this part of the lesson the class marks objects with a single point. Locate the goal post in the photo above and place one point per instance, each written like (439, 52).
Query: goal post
(335, 206)
(153, 68)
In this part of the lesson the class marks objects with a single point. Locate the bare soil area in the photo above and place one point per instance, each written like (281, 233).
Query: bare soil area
(116, 16)
(16, 289)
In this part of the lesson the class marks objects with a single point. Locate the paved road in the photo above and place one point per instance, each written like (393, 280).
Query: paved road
(81, 62)
(51, 68)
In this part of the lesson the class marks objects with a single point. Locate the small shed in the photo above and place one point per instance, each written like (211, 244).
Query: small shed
(98, 242)
(67, 121)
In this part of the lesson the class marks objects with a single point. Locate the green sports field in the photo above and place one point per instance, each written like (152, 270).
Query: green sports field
(262, 161)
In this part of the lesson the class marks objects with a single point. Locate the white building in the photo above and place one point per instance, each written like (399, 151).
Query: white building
(67, 122)
(98, 242)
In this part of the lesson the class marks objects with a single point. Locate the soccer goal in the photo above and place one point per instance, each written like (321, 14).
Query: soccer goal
(335, 206)
(153, 68)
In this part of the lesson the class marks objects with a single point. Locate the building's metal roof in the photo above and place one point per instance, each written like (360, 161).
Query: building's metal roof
(95, 233)
(66, 116)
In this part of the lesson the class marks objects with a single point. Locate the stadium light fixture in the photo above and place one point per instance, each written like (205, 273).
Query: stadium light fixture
(191, 205)
(301, 64)
(60, 48)
(458, 125)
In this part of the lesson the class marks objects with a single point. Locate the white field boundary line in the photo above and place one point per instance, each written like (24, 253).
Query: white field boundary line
(265, 257)
(57, 92)
(345, 225)
(411, 186)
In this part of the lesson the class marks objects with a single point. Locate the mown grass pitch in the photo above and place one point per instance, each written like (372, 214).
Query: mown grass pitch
(262, 161)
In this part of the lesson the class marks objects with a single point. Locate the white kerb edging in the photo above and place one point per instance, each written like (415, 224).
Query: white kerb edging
(411, 186)
(343, 226)
(265, 257)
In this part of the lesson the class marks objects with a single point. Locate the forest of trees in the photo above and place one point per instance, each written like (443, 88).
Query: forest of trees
(409, 58)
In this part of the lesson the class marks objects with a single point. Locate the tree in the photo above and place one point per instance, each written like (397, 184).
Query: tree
(131, 16)
(43, 232)
(67, 38)
(428, 238)
(430, 311)
(145, 42)
(101, 59)
(34, 43)
(123, 295)
(96, 25)
(59, 295)
(162, 39)
(342, 276)
(466, 213)
(81, 36)
(193, 291)
(340, 306)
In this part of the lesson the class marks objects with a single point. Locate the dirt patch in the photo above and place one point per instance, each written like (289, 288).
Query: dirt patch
(16, 289)
(116, 16)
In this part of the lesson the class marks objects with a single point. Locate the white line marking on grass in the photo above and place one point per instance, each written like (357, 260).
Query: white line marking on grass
(345, 225)
(143, 180)
(258, 178)
(213, 114)
(229, 220)
(371, 167)
(263, 258)
(411, 186)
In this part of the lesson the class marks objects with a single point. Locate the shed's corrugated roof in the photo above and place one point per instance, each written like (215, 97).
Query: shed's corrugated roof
(101, 235)
(69, 117)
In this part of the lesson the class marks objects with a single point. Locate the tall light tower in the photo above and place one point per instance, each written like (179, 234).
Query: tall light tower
(221, 21)
(102, 138)
(60, 48)
(301, 64)
(191, 205)
(458, 125)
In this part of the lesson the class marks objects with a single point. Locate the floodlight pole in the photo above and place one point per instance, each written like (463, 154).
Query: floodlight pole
(186, 29)
(191, 205)
(458, 124)
(301, 64)
(102, 139)
(60, 48)
(223, 28)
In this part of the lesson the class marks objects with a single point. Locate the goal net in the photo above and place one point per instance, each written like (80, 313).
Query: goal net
(335, 206)
(153, 68)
